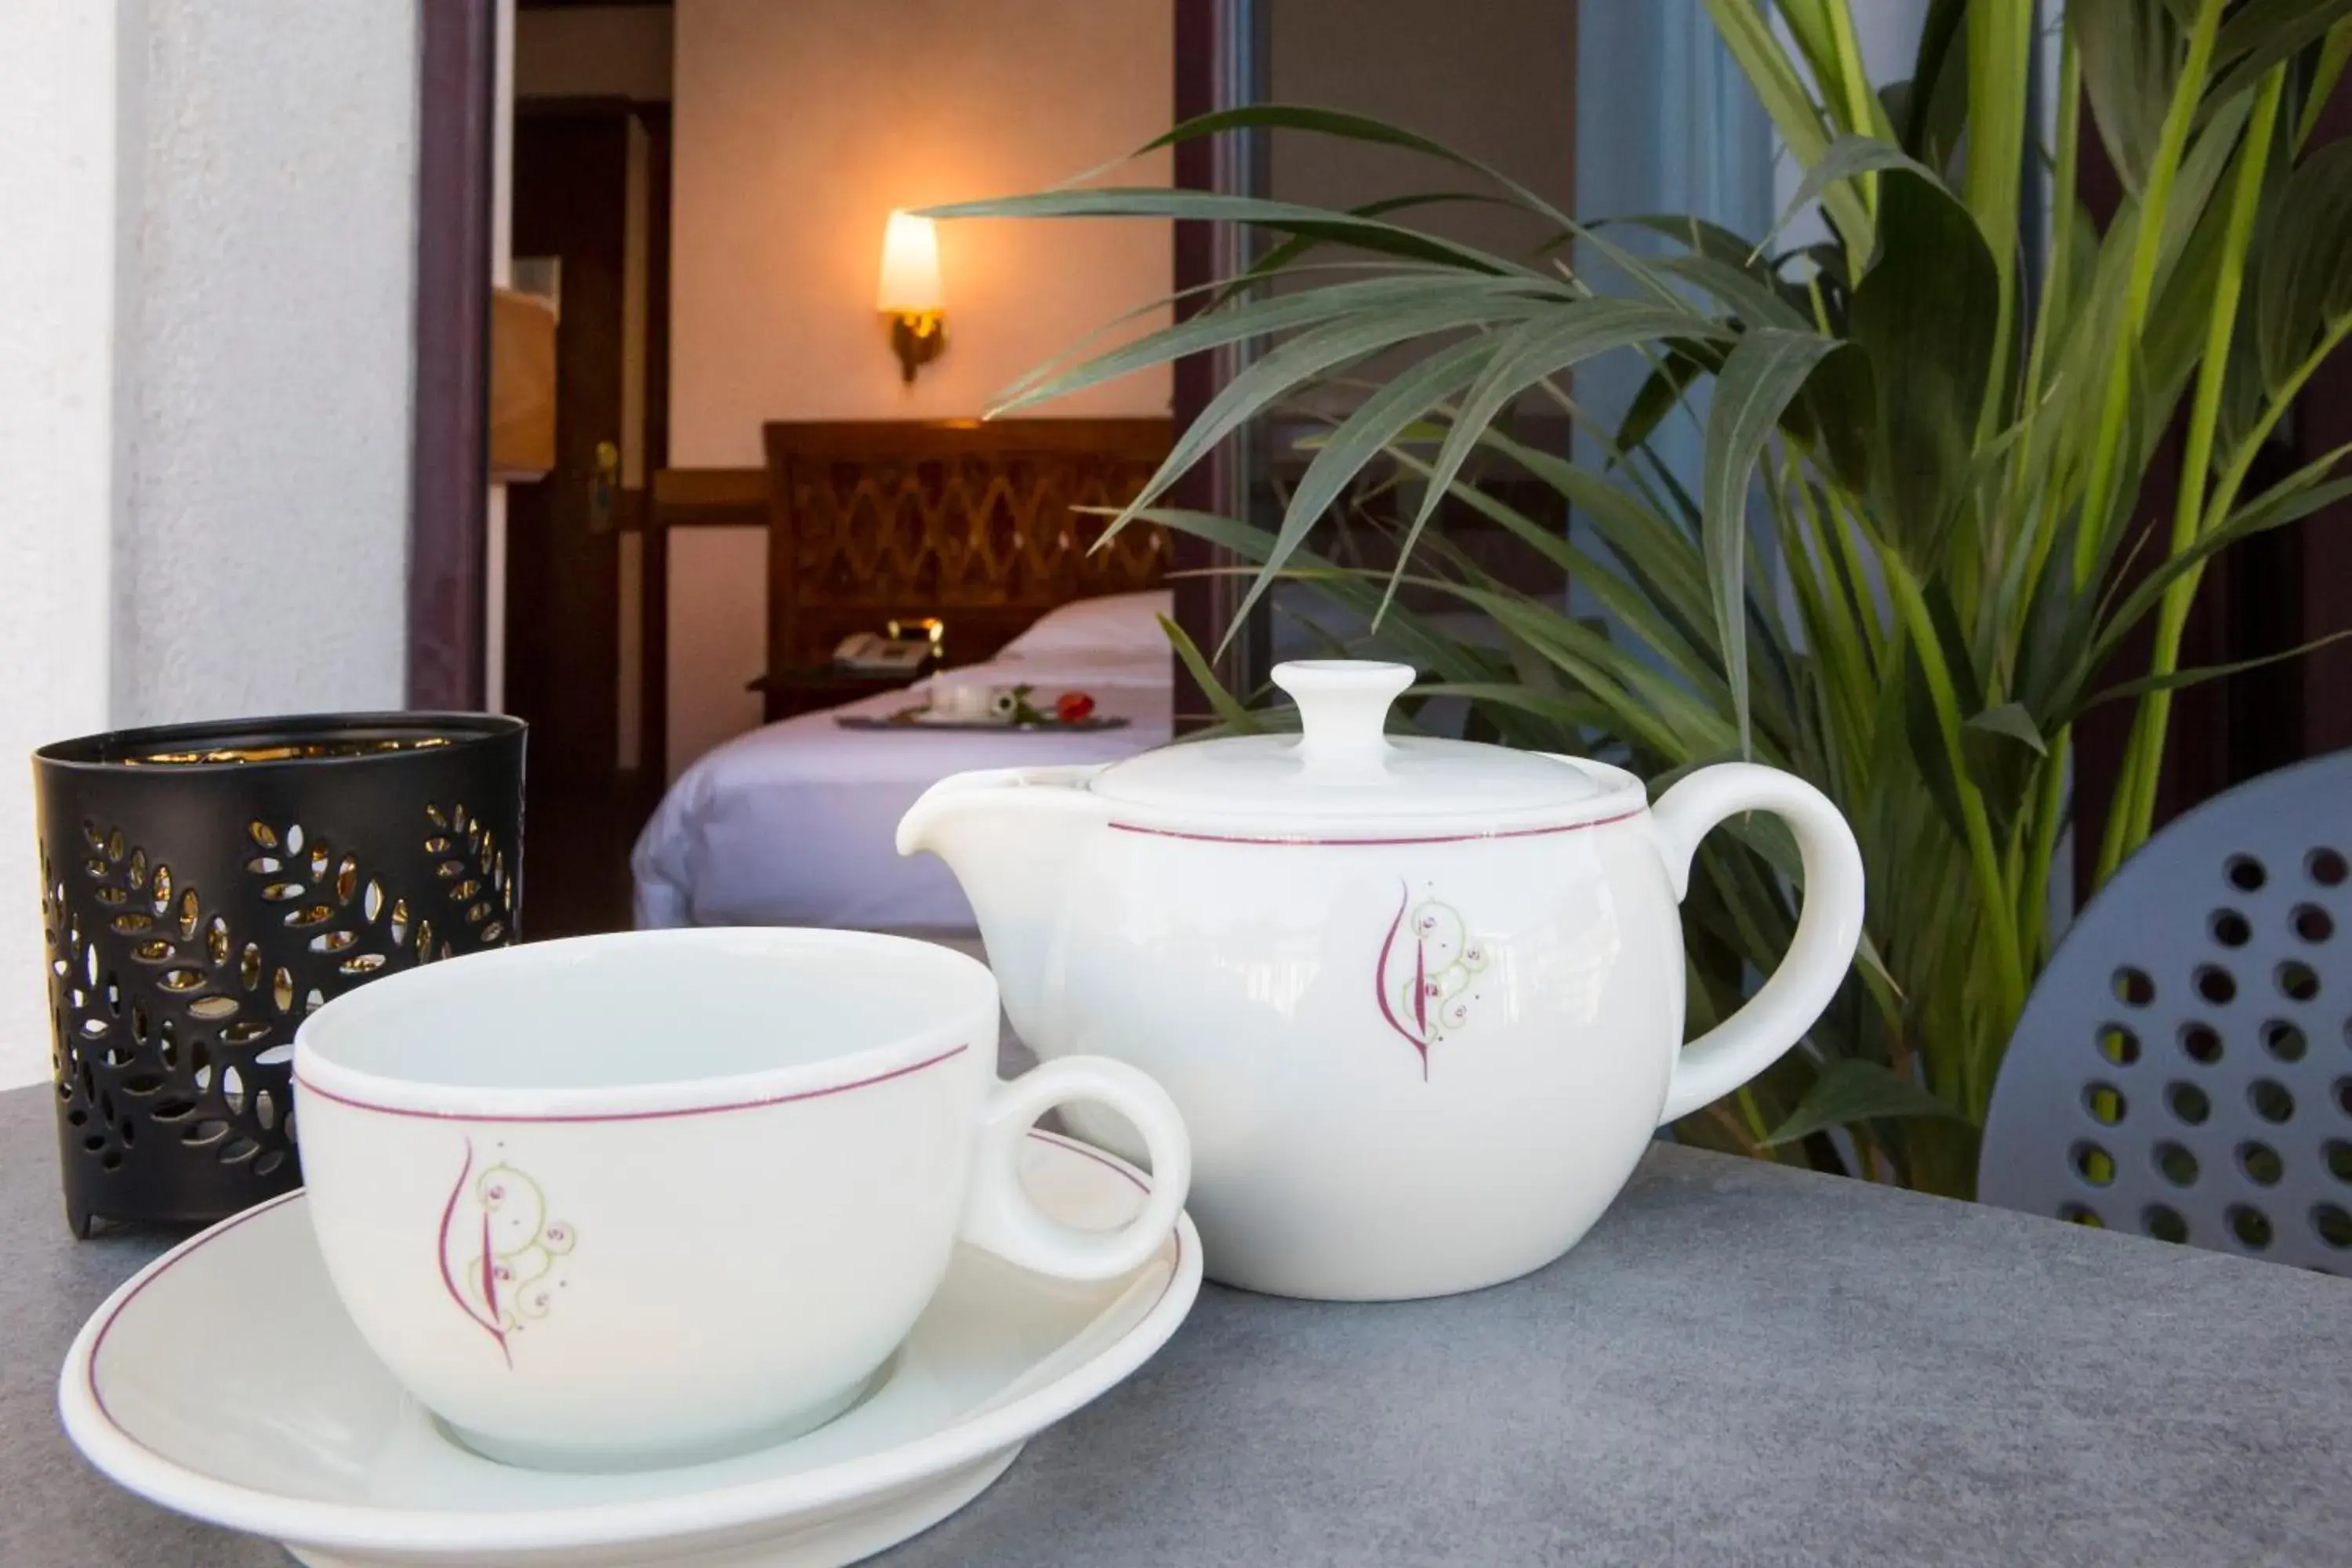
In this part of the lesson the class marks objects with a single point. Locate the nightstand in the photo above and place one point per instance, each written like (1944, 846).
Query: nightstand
(795, 691)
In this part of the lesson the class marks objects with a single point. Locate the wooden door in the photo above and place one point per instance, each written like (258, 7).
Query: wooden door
(563, 592)
(563, 532)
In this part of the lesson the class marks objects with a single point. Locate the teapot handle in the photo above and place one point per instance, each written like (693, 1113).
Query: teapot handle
(1828, 930)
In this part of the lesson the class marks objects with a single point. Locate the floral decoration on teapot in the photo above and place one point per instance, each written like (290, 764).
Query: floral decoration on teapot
(1429, 970)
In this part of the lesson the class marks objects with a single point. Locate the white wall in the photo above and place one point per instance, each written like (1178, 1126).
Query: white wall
(204, 419)
(58, 60)
(798, 128)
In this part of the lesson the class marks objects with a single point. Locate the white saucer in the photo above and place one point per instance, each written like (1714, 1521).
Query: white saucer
(225, 1381)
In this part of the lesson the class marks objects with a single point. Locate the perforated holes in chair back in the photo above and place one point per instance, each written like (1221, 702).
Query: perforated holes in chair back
(2184, 1067)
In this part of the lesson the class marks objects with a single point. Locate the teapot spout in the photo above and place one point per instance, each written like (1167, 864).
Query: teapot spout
(1012, 835)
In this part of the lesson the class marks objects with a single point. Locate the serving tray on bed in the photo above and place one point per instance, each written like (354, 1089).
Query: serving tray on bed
(917, 719)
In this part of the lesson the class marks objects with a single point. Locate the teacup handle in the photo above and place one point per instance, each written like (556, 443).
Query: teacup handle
(1000, 1217)
(1828, 929)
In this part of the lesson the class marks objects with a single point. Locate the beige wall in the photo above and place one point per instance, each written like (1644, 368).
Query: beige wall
(798, 128)
(718, 637)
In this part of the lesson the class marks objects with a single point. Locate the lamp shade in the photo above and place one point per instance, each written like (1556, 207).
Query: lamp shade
(910, 266)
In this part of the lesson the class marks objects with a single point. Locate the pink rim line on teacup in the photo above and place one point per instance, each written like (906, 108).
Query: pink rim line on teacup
(760, 1102)
(396, 1094)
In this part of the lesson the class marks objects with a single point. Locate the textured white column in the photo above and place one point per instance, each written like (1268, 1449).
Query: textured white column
(206, 302)
(60, 122)
(262, 562)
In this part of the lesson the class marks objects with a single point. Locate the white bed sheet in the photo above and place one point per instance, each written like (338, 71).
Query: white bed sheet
(794, 823)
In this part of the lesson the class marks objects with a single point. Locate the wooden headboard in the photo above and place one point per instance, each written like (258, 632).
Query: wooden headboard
(969, 522)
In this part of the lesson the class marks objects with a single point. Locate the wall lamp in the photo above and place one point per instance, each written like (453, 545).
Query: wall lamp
(909, 296)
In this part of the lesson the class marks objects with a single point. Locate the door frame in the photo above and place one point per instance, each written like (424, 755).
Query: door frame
(449, 453)
(1224, 59)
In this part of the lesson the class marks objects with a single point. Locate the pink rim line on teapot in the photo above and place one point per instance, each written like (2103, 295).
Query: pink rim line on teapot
(1419, 1001)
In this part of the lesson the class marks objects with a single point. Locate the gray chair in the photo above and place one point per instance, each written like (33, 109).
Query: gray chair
(2184, 1068)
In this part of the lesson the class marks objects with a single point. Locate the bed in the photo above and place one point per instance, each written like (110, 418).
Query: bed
(792, 824)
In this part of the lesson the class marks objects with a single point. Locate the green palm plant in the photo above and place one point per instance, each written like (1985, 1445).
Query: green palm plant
(1946, 435)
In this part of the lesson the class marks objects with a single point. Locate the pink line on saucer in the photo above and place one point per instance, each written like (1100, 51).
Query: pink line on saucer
(1356, 843)
(98, 1345)
(594, 1116)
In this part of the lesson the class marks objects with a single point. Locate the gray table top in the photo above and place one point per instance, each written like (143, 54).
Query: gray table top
(1741, 1364)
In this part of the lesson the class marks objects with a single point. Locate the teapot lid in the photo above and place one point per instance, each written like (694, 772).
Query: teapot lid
(1342, 768)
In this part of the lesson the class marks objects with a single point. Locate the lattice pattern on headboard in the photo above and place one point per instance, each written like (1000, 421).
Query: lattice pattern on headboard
(969, 522)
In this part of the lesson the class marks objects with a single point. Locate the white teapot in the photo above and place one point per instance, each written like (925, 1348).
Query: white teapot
(1419, 999)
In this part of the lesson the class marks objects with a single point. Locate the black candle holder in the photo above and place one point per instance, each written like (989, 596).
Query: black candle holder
(204, 887)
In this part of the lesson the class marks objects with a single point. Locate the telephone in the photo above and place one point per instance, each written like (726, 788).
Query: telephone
(870, 653)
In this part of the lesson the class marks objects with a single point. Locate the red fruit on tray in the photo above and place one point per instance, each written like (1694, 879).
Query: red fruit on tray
(1071, 707)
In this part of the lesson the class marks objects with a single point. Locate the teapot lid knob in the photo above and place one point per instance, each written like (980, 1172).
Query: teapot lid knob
(1343, 709)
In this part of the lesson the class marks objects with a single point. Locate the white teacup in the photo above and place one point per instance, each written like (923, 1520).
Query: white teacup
(656, 1198)
(966, 702)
